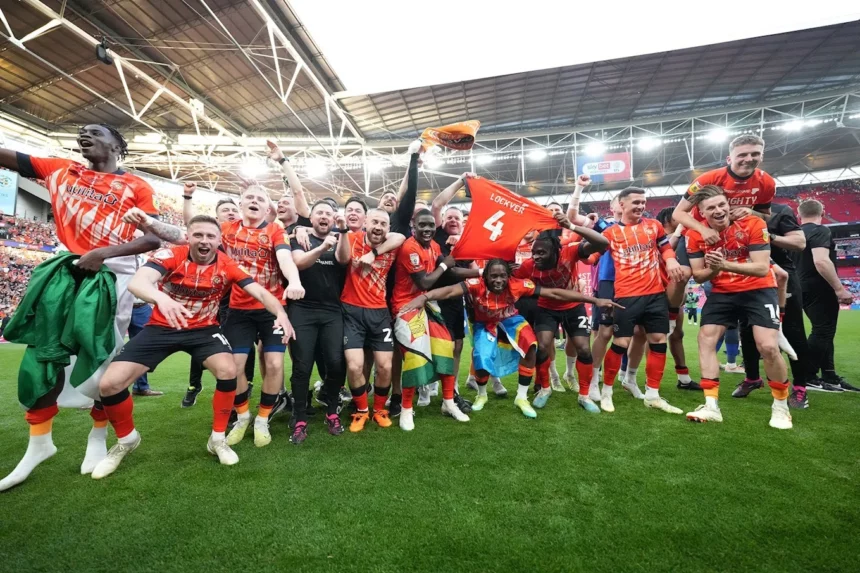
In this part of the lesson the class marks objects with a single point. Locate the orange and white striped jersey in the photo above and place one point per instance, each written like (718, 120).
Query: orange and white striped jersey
(88, 205)
(199, 288)
(636, 251)
(737, 240)
(254, 250)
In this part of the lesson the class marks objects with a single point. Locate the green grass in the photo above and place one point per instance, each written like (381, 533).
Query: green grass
(638, 490)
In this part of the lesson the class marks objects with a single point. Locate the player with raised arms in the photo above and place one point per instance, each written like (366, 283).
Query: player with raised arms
(87, 203)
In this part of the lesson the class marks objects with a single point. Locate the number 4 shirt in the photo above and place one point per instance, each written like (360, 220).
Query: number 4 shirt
(498, 221)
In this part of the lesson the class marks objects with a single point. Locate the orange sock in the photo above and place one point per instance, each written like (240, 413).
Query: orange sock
(448, 384)
(612, 364)
(97, 413)
(41, 420)
(379, 399)
(711, 386)
(655, 365)
(407, 396)
(264, 411)
(584, 371)
(542, 371)
(779, 390)
(120, 411)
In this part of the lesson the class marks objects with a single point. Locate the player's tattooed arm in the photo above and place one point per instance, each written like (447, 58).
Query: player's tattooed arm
(164, 231)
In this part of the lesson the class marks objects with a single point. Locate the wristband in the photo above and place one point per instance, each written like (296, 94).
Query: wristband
(187, 197)
(343, 230)
(282, 160)
(443, 266)
(374, 251)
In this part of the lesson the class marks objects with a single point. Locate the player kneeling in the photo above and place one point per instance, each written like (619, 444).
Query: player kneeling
(193, 279)
(744, 289)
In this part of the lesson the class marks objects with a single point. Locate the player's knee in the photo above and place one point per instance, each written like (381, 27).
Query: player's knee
(677, 334)
(110, 384)
(584, 355)
(224, 370)
(768, 349)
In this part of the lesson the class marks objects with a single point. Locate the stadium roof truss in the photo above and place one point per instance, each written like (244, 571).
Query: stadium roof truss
(199, 85)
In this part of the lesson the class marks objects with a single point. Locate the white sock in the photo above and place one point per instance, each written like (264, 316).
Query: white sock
(631, 375)
(261, 420)
(522, 391)
(731, 365)
(781, 403)
(131, 438)
(606, 392)
(39, 449)
(553, 370)
(244, 416)
(482, 389)
(651, 393)
(711, 402)
(684, 378)
(449, 403)
(595, 378)
(571, 363)
(217, 436)
(96, 449)
(622, 375)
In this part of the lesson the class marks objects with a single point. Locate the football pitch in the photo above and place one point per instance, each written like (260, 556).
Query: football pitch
(637, 490)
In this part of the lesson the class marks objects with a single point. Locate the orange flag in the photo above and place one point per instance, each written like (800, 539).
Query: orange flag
(459, 136)
(498, 221)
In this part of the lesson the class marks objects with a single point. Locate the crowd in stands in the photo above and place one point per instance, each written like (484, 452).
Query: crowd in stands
(39, 234)
(16, 265)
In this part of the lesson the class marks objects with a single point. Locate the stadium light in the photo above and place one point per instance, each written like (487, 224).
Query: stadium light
(649, 143)
(315, 168)
(435, 162)
(717, 135)
(795, 125)
(374, 165)
(595, 148)
(484, 159)
(192, 139)
(253, 169)
(537, 155)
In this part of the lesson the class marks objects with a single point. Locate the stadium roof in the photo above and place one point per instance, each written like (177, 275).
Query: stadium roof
(232, 73)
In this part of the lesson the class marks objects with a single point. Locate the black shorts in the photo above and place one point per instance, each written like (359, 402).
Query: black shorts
(758, 307)
(599, 316)
(367, 327)
(651, 312)
(527, 307)
(244, 328)
(681, 252)
(155, 343)
(452, 313)
(574, 321)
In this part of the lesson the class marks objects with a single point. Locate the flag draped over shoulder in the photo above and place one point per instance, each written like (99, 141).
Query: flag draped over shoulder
(498, 221)
(426, 344)
(459, 136)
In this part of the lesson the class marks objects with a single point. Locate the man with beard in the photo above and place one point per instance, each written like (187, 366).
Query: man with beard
(552, 266)
(87, 202)
(366, 319)
(318, 322)
(637, 245)
(261, 250)
(418, 269)
(744, 289)
(225, 211)
(192, 280)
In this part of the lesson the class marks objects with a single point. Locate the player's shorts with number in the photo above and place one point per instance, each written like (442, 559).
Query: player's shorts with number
(154, 344)
(367, 328)
(651, 312)
(244, 327)
(574, 320)
(759, 307)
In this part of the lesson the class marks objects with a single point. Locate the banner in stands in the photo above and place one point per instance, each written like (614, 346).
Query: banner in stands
(17, 245)
(606, 168)
(8, 192)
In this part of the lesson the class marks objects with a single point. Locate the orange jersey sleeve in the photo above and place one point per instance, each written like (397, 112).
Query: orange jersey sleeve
(44, 166)
(145, 198)
(412, 258)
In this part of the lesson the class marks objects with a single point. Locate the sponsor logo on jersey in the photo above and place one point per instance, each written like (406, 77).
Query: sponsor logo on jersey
(92, 195)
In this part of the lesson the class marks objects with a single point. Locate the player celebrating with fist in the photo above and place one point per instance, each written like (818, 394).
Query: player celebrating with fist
(744, 289)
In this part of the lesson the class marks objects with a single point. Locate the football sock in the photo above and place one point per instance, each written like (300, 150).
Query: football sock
(630, 378)
(525, 381)
(448, 383)
(571, 361)
(222, 403)
(779, 390)
(380, 396)
(97, 439)
(711, 387)
(683, 374)
(408, 395)
(612, 362)
(482, 384)
(542, 375)
(267, 402)
(584, 371)
(359, 398)
(40, 448)
(120, 411)
(655, 365)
